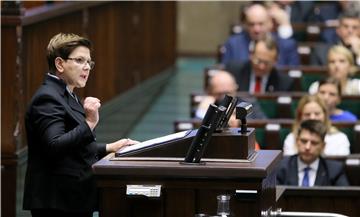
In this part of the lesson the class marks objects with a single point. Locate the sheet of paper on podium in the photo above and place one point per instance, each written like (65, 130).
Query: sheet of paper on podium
(155, 141)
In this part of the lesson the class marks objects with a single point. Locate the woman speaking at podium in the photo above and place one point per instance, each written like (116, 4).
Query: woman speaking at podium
(60, 132)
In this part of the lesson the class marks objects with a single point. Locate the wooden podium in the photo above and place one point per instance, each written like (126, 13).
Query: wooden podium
(189, 189)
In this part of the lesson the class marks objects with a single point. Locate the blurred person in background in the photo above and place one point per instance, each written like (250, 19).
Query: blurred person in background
(330, 92)
(312, 107)
(341, 67)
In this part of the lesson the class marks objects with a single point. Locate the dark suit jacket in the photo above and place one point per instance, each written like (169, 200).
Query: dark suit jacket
(277, 81)
(61, 150)
(319, 54)
(329, 172)
(237, 49)
(301, 11)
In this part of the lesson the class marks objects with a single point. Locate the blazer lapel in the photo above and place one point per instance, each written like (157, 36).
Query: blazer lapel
(321, 178)
(245, 77)
(75, 105)
(272, 81)
(293, 171)
(75, 108)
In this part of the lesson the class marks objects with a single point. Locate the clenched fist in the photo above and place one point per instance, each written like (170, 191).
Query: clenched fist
(91, 107)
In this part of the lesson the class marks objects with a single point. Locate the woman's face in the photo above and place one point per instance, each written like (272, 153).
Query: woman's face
(76, 69)
(312, 111)
(330, 94)
(339, 66)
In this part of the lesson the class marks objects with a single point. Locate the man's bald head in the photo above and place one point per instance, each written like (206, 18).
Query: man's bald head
(258, 21)
(222, 83)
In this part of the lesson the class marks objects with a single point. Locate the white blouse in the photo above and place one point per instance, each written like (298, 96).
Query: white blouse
(352, 87)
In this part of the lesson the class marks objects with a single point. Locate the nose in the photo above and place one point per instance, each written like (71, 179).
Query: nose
(87, 65)
(350, 31)
(312, 116)
(325, 97)
(257, 28)
(308, 145)
(262, 65)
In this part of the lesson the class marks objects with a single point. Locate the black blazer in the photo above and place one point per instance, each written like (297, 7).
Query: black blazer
(330, 173)
(61, 151)
(277, 81)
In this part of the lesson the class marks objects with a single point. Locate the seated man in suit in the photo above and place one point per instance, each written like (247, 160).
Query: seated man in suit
(259, 75)
(308, 168)
(258, 24)
(221, 83)
(348, 35)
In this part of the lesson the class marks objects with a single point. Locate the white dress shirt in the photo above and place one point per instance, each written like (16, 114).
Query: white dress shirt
(312, 171)
(264, 80)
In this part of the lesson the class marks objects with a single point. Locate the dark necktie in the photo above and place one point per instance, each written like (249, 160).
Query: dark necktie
(257, 84)
(305, 181)
(72, 94)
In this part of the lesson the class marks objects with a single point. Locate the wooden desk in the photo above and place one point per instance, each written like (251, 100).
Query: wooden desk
(342, 200)
(186, 189)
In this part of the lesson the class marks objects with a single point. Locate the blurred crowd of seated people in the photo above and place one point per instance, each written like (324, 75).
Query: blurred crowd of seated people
(268, 40)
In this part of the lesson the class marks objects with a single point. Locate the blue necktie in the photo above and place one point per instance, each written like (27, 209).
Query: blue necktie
(305, 181)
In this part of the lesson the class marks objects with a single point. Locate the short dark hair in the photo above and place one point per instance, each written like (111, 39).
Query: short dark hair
(333, 81)
(314, 126)
(349, 14)
(61, 45)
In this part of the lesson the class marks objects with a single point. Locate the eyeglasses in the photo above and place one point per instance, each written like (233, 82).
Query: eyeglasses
(258, 61)
(82, 61)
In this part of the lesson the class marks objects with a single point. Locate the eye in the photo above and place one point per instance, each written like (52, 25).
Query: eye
(80, 60)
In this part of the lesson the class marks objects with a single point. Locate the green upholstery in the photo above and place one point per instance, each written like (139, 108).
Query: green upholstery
(283, 133)
(260, 137)
(269, 107)
(308, 79)
(351, 105)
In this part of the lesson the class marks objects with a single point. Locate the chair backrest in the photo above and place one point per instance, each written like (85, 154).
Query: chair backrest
(270, 134)
(281, 104)
(303, 75)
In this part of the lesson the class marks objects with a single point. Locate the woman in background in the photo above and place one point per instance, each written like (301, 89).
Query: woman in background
(342, 67)
(312, 107)
(330, 92)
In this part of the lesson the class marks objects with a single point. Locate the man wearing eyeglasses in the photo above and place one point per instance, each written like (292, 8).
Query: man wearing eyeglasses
(60, 134)
(259, 75)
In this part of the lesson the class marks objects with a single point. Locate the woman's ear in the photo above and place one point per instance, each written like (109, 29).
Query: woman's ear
(59, 64)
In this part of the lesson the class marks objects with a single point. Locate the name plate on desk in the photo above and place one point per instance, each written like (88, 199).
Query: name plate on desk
(143, 190)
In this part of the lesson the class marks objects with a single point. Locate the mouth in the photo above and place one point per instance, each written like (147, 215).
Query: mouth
(84, 77)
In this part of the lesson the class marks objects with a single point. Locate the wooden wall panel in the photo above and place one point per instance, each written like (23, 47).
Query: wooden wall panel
(8, 80)
(35, 40)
